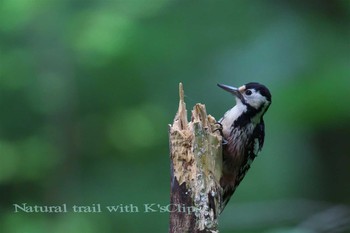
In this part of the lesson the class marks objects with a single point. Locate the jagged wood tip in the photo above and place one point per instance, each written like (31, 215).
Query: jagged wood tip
(180, 120)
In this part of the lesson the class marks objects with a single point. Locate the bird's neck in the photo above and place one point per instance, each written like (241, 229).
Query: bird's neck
(240, 116)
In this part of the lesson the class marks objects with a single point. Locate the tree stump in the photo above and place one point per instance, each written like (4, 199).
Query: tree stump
(196, 167)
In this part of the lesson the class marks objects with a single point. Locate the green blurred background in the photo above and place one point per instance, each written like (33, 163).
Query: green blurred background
(88, 88)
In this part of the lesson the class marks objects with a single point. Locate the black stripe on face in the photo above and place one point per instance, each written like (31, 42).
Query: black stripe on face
(247, 116)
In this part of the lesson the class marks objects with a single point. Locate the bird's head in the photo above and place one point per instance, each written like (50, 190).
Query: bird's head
(251, 94)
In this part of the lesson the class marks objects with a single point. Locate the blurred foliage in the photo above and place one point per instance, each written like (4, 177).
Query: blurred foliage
(87, 89)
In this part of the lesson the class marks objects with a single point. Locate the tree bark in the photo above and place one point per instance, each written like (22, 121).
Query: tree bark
(195, 166)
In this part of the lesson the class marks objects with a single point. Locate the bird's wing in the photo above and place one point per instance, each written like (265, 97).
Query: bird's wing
(254, 146)
(258, 137)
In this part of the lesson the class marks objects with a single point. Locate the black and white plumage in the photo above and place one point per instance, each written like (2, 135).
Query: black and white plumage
(244, 131)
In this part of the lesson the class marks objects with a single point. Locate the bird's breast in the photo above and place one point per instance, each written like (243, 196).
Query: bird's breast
(234, 151)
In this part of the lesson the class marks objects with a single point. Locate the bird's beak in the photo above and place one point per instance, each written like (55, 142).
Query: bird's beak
(233, 90)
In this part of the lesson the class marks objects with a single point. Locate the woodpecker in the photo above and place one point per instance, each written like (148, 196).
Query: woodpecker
(243, 133)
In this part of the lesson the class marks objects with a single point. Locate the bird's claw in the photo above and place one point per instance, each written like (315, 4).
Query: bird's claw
(220, 128)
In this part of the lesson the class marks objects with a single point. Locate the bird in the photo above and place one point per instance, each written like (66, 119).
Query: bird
(243, 131)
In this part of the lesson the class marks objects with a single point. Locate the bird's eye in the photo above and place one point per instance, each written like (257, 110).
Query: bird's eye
(248, 92)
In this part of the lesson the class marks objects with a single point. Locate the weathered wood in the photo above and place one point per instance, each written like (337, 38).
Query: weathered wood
(195, 164)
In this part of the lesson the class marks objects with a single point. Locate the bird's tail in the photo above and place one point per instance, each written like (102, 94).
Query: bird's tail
(227, 194)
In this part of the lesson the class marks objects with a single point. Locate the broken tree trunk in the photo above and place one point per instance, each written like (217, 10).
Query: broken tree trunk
(196, 164)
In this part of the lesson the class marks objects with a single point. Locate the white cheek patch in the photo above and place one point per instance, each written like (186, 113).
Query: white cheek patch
(256, 99)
